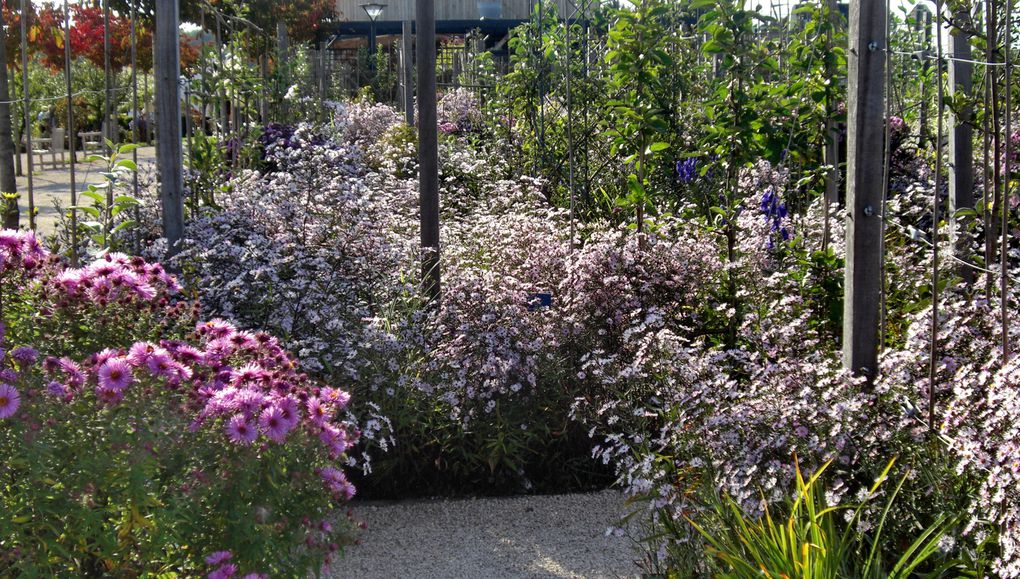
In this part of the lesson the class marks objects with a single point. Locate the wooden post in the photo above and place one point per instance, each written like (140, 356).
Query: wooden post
(865, 187)
(428, 147)
(407, 72)
(168, 110)
(8, 180)
(961, 145)
(831, 152)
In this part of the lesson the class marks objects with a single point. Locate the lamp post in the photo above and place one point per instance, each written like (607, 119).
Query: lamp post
(374, 11)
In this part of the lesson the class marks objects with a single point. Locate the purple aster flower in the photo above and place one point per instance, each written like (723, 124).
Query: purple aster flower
(10, 401)
(115, 374)
(218, 558)
(58, 390)
(8, 375)
(25, 356)
(224, 572)
(240, 431)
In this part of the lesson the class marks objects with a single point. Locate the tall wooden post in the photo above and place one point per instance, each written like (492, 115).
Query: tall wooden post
(831, 152)
(407, 72)
(168, 114)
(865, 187)
(428, 147)
(961, 145)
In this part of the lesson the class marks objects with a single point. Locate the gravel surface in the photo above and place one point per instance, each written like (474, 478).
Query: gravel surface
(492, 538)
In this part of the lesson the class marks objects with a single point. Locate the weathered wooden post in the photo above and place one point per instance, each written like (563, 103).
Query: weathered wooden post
(961, 145)
(865, 186)
(168, 114)
(428, 147)
(407, 71)
(831, 152)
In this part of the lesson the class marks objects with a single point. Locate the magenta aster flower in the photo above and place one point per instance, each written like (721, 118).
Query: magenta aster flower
(9, 401)
(272, 423)
(290, 411)
(239, 431)
(115, 374)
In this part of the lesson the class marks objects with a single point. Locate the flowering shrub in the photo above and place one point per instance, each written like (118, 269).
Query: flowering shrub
(977, 409)
(459, 111)
(134, 440)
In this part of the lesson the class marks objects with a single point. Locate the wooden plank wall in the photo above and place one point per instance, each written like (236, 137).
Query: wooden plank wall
(399, 10)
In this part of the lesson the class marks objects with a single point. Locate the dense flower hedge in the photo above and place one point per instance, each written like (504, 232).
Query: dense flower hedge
(667, 359)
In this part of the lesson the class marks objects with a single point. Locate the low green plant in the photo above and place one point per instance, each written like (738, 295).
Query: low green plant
(104, 214)
(817, 541)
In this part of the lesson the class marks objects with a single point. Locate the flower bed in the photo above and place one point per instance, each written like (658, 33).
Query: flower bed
(136, 440)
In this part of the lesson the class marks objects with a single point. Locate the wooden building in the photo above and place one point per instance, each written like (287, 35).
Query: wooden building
(448, 10)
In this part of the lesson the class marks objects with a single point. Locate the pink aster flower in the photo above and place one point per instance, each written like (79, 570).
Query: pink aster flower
(75, 377)
(109, 395)
(115, 374)
(139, 354)
(290, 411)
(273, 425)
(240, 431)
(318, 413)
(336, 396)
(9, 401)
(160, 363)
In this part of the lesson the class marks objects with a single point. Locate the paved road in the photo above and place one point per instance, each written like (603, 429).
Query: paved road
(51, 185)
(560, 536)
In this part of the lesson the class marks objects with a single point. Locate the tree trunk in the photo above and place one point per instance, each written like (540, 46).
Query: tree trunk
(8, 180)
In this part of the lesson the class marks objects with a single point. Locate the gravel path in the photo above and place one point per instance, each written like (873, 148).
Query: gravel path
(518, 537)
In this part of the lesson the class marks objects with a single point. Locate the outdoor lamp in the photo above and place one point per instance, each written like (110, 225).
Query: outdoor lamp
(374, 10)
